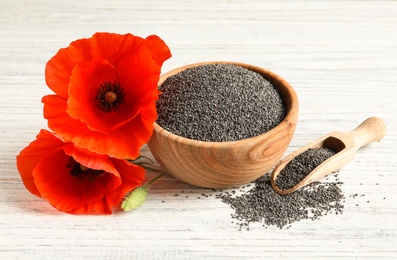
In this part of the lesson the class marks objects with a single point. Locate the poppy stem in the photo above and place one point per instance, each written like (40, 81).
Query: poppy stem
(147, 185)
(150, 169)
(142, 157)
(147, 166)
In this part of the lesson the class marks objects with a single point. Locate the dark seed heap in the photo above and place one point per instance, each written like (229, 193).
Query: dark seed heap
(262, 204)
(219, 103)
(299, 167)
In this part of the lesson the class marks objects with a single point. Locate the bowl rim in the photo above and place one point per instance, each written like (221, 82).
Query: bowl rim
(288, 119)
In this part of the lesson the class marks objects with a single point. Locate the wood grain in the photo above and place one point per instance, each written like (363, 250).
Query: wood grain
(340, 57)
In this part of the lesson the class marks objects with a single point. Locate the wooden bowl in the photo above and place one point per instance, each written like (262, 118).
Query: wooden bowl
(226, 164)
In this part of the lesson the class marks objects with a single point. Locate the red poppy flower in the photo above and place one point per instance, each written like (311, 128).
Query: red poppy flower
(75, 180)
(106, 89)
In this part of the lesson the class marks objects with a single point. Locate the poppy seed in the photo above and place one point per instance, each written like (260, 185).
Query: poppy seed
(219, 103)
(299, 167)
(262, 204)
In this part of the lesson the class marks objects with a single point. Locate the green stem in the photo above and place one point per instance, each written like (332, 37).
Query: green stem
(144, 165)
(150, 169)
(144, 157)
(154, 179)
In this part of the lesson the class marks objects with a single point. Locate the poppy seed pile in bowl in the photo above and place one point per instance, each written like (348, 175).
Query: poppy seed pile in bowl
(219, 103)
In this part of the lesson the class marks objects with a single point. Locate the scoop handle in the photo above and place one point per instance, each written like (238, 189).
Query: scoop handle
(371, 130)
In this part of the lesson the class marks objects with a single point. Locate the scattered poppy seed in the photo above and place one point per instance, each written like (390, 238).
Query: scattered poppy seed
(219, 103)
(263, 204)
(299, 167)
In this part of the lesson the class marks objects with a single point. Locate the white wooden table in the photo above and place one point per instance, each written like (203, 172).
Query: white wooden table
(341, 58)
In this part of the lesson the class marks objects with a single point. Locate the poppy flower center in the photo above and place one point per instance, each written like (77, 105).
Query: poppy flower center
(81, 172)
(110, 96)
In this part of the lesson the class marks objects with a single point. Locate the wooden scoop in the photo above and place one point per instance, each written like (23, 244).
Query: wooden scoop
(345, 144)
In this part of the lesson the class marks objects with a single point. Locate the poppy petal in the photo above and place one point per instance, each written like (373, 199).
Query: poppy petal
(63, 191)
(46, 144)
(110, 181)
(87, 79)
(109, 46)
(59, 121)
(123, 143)
(112, 46)
(100, 206)
(140, 74)
(132, 176)
(59, 68)
(91, 160)
(76, 74)
(160, 51)
(126, 142)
